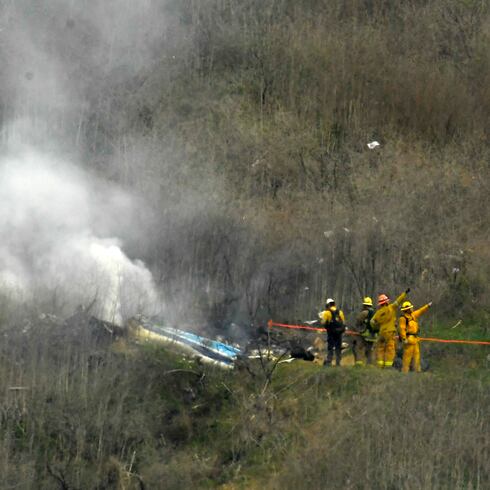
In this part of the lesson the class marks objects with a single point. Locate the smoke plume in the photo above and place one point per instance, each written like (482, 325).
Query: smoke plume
(50, 254)
(63, 228)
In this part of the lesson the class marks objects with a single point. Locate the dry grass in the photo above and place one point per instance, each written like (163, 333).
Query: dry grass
(407, 433)
(85, 416)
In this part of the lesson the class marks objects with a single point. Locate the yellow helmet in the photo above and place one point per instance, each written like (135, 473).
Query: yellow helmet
(407, 306)
(367, 301)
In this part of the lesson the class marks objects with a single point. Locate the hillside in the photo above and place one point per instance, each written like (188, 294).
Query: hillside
(242, 127)
(206, 163)
(78, 413)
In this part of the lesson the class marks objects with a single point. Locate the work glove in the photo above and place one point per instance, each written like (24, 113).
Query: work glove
(430, 303)
(404, 342)
(407, 290)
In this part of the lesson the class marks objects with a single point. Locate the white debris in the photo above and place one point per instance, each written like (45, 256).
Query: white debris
(328, 233)
(373, 145)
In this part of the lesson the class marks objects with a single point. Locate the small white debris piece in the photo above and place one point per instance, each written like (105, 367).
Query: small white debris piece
(328, 233)
(307, 288)
(321, 260)
(373, 145)
(347, 230)
(291, 359)
(456, 270)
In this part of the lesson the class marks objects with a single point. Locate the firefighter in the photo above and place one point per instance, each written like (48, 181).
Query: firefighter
(409, 335)
(362, 344)
(334, 322)
(384, 322)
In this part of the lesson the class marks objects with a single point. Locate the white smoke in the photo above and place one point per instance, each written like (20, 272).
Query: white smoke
(61, 229)
(51, 254)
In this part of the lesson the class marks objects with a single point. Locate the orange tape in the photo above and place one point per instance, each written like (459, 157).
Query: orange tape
(271, 324)
(445, 341)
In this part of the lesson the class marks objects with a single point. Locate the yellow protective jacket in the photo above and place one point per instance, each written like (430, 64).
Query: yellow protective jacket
(385, 316)
(326, 315)
(408, 322)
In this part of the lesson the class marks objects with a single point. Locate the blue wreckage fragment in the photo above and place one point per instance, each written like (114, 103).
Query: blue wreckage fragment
(208, 350)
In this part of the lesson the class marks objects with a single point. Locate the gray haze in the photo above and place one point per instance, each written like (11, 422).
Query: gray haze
(58, 56)
(63, 232)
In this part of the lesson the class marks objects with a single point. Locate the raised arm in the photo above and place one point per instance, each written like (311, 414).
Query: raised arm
(401, 298)
(422, 310)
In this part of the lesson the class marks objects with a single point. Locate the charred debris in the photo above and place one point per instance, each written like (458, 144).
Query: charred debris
(84, 332)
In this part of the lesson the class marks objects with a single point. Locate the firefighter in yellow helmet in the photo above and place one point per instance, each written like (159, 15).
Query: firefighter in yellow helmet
(409, 335)
(333, 320)
(384, 321)
(363, 343)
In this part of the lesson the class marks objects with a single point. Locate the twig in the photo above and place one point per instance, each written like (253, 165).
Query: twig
(132, 462)
(60, 478)
(226, 387)
(457, 324)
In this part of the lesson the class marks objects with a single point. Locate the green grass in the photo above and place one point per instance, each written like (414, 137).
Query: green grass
(468, 329)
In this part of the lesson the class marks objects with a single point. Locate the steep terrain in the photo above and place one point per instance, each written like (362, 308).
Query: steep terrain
(79, 411)
(243, 126)
(207, 161)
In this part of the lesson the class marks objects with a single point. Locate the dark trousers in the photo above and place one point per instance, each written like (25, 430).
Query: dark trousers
(363, 350)
(334, 341)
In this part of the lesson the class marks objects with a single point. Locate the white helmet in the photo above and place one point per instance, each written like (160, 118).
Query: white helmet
(330, 301)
